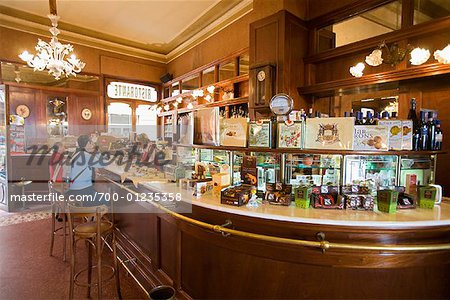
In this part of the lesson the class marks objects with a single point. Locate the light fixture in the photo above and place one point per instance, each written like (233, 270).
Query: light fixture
(52, 56)
(208, 98)
(211, 89)
(190, 106)
(374, 59)
(175, 104)
(443, 56)
(159, 109)
(179, 99)
(357, 70)
(166, 107)
(197, 93)
(419, 56)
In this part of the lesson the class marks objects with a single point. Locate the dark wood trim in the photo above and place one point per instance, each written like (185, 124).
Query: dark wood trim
(407, 13)
(345, 12)
(395, 36)
(220, 103)
(52, 89)
(378, 78)
(204, 67)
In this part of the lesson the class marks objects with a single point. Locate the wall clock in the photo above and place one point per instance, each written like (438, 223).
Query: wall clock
(23, 111)
(261, 75)
(86, 114)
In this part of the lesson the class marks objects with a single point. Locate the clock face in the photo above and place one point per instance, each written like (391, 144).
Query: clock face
(86, 114)
(281, 104)
(261, 75)
(23, 111)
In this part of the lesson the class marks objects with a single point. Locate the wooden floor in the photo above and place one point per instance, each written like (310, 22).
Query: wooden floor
(28, 272)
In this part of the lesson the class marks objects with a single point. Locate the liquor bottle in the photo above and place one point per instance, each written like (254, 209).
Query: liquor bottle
(317, 115)
(359, 118)
(394, 115)
(412, 114)
(351, 113)
(369, 119)
(385, 115)
(376, 117)
(310, 113)
(346, 114)
(423, 132)
(439, 136)
(431, 131)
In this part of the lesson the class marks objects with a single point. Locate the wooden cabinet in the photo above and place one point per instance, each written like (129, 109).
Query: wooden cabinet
(280, 40)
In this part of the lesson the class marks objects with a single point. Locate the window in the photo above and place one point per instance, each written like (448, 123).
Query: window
(375, 22)
(146, 121)
(119, 119)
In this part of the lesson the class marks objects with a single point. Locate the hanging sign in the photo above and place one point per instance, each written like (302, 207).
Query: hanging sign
(123, 90)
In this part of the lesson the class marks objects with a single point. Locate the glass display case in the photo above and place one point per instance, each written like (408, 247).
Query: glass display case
(422, 166)
(380, 169)
(3, 151)
(313, 169)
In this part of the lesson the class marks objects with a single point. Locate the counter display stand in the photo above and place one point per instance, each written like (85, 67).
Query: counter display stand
(222, 251)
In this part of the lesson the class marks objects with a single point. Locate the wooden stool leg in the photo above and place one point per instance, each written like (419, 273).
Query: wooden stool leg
(52, 241)
(99, 265)
(89, 270)
(72, 267)
(64, 236)
(116, 266)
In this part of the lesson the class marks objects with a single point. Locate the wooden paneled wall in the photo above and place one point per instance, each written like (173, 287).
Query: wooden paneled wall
(36, 99)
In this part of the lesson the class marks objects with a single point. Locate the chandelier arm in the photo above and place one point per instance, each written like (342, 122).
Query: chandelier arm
(52, 6)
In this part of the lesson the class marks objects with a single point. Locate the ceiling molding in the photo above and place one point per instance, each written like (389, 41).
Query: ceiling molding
(199, 30)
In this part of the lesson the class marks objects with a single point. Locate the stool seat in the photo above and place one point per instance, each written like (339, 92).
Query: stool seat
(24, 183)
(89, 229)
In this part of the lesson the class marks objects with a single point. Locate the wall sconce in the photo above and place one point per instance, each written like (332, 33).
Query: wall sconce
(419, 56)
(175, 104)
(443, 56)
(166, 107)
(179, 99)
(208, 98)
(198, 93)
(357, 70)
(190, 106)
(159, 109)
(211, 89)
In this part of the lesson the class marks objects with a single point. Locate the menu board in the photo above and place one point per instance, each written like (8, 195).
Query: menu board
(290, 134)
(260, 134)
(233, 132)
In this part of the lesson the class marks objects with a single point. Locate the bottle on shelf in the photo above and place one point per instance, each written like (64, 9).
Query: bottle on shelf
(394, 115)
(369, 119)
(385, 115)
(346, 114)
(423, 132)
(351, 113)
(359, 118)
(431, 131)
(310, 113)
(317, 115)
(412, 114)
(376, 117)
(438, 137)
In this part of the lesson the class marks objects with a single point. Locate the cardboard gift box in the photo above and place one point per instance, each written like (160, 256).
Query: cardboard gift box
(278, 193)
(407, 135)
(395, 130)
(303, 196)
(387, 200)
(260, 134)
(236, 195)
(359, 202)
(233, 132)
(328, 201)
(329, 133)
(290, 134)
(369, 137)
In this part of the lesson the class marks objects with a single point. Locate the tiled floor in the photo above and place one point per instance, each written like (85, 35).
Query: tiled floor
(28, 272)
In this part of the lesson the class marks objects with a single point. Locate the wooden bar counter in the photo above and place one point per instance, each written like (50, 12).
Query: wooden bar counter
(221, 251)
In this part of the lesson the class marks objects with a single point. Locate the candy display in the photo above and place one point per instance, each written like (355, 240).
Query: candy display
(329, 133)
(290, 134)
(260, 134)
(236, 195)
(233, 132)
(387, 200)
(327, 197)
(395, 130)
(368, 137)
(358, 197)
(278, 193)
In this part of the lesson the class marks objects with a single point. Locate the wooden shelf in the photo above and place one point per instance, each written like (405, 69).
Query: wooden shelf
(312, 151)
(221, 103)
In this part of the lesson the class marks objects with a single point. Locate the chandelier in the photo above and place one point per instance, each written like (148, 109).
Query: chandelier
(54, 56)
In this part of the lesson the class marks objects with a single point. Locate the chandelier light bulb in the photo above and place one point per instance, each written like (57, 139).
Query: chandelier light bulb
(443, 56)
(357, 70)
(52, 56)
(419, 56)
(166, 107)
(374, 59)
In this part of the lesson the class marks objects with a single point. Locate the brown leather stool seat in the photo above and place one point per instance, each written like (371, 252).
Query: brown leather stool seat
(89, 229)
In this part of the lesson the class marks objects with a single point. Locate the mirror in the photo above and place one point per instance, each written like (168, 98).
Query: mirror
(227, 70)
(389, 104)
(175, 89)
(427, 10)
(190, 84)
(244, 62)
(208, 76)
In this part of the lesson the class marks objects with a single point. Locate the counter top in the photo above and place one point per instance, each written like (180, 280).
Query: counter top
(439, 216)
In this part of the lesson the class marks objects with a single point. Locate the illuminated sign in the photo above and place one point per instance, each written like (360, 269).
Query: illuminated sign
(122, 90)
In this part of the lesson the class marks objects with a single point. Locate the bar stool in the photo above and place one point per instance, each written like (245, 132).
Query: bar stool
(94, 230)
(60, 207)
(22, 184)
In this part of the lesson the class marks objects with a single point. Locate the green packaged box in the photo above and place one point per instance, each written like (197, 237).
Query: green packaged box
(427, 197)
(387, 200)
(303, 196)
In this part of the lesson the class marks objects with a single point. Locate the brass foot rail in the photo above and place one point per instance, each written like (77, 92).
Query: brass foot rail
(322, 243)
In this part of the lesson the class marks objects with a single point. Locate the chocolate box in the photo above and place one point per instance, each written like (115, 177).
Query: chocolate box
(278, 193)
(236, 195)
(407, 135)
(290, 134)
(328, 201)
(329, 133)
(303, 196)
(395, 133)
(387, 200)
(369, 137)
(359, 202)
(260, 134)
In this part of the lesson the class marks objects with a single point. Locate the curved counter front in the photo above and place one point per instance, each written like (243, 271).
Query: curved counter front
(284, 252)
